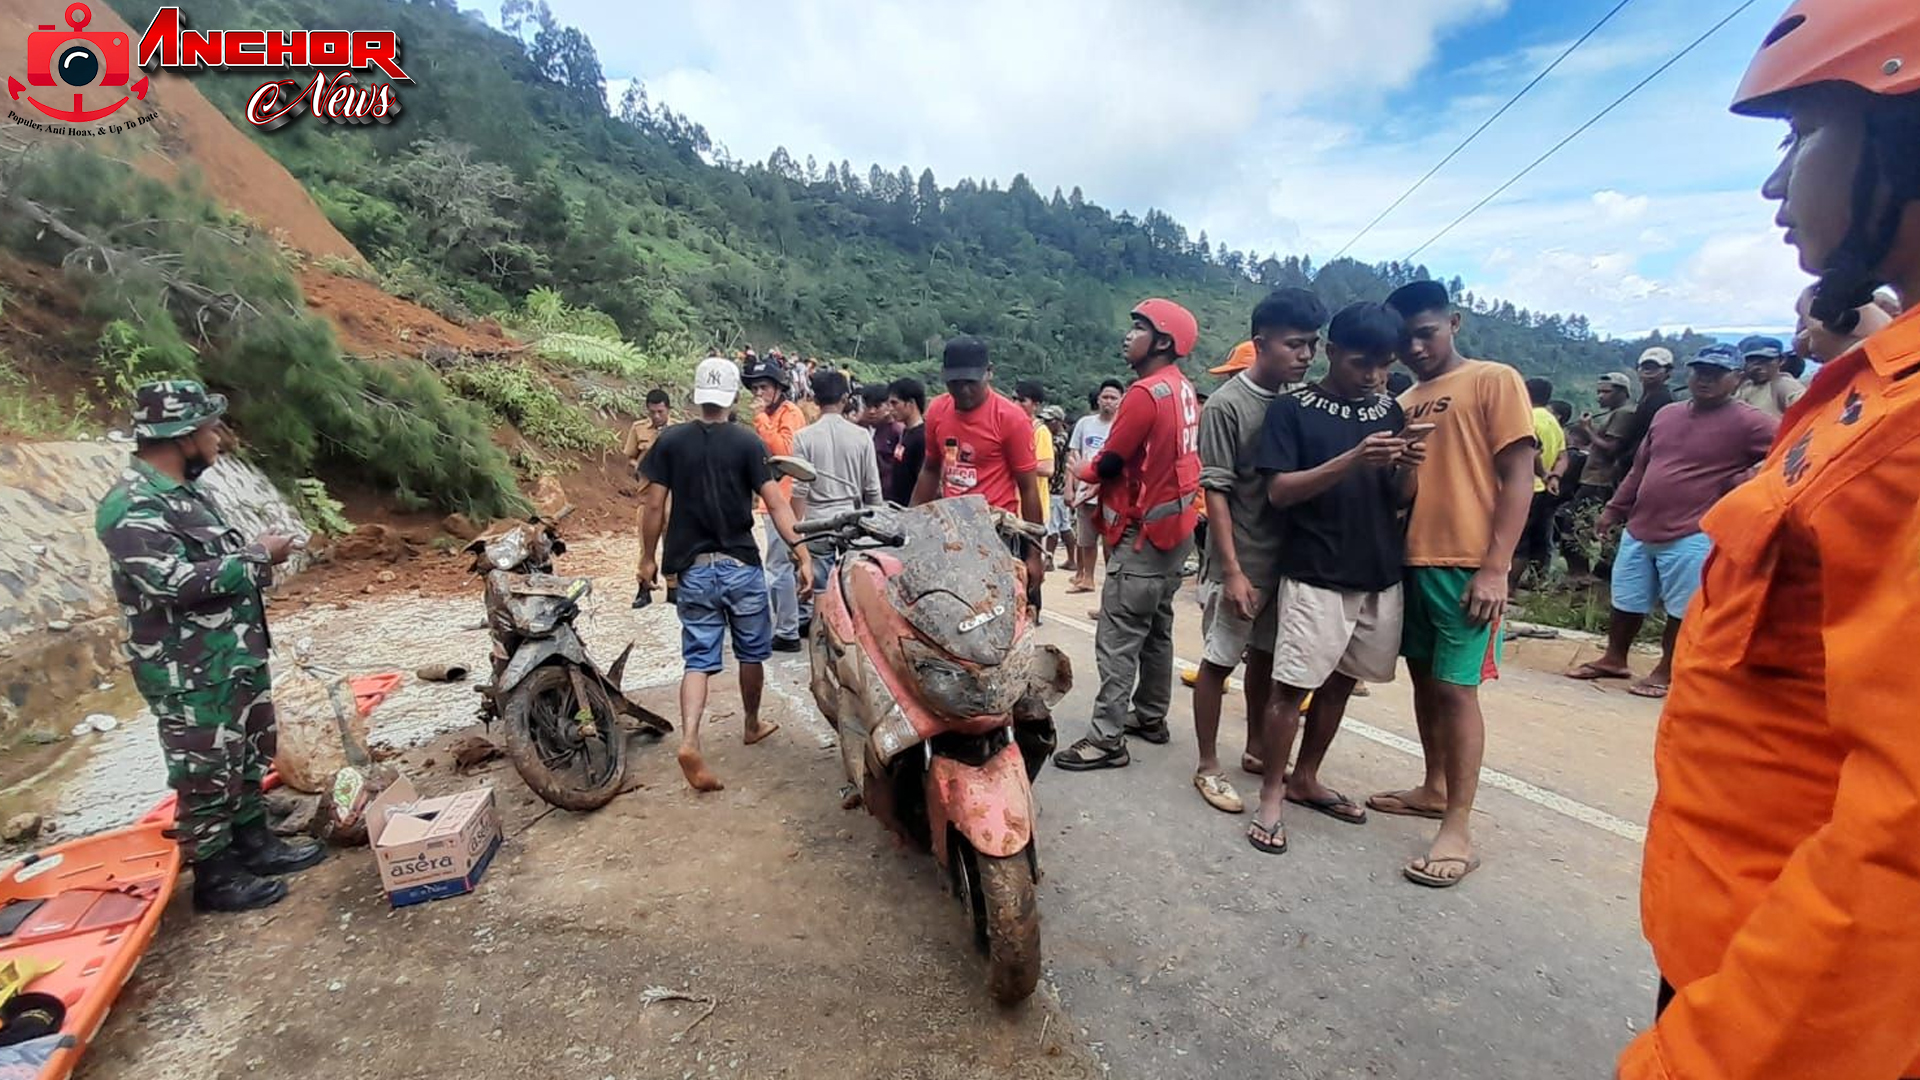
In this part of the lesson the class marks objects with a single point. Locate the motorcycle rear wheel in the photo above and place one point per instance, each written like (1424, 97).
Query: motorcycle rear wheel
(1006, 922)
(571, 753)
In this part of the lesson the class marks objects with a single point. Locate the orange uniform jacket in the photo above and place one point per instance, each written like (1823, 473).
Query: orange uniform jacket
(1782, 882)
(776, 430)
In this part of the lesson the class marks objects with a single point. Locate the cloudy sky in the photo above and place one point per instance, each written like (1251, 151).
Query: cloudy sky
(1280, 125)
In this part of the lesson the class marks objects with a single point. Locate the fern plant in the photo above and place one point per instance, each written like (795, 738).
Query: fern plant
(614, 356)
(525, 399)
(319, 509)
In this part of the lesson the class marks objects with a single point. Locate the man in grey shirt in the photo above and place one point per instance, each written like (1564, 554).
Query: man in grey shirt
(849, 473)
(1238, 569)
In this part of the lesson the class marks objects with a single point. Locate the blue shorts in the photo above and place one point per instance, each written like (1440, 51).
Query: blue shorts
(1669, 572)
(717, 598)
(1059, 520)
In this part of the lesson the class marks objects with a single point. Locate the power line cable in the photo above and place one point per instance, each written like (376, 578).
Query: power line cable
(1597, 117)
(1468, 141)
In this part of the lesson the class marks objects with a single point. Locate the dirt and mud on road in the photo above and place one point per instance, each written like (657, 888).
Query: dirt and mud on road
(811, 944)
(814, 946)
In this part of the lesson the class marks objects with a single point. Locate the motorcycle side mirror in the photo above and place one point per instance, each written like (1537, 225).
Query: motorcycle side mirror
(794, 468)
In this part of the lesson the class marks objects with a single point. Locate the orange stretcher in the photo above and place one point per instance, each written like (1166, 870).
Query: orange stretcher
(75, 920)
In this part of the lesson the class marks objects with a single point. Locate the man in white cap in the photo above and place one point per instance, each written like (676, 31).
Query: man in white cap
(1656, 367)
(712, 468)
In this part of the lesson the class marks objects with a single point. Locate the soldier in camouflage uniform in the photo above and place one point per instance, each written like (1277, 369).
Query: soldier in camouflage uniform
(189, 585)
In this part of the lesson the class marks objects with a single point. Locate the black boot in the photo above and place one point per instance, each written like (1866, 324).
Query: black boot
(221, 883)
(265, 854)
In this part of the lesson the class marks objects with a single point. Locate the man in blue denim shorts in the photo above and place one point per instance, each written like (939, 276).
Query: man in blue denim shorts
(1695, 451)
(712, 469)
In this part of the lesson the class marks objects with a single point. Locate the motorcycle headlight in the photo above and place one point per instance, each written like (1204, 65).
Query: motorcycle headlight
(956, 689)
(538, 616)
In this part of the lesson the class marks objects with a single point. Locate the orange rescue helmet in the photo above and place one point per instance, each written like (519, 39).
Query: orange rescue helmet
(1169, 318)
(1871, 44)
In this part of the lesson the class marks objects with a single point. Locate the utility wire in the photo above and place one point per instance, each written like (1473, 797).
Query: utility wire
(1468, 141)
(1597, 117)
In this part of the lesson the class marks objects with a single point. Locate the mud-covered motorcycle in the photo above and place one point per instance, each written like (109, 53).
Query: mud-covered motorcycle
(562, 713)
(925, 662)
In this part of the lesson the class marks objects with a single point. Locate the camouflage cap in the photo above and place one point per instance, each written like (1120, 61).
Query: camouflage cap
(170, 408)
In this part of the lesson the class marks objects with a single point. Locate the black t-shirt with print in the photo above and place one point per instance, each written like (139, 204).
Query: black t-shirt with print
(906, 470)
(1349, 537)
(713, 472)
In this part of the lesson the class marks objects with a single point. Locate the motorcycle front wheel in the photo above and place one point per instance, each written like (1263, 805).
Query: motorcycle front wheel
(1006, 921)
(572, 753)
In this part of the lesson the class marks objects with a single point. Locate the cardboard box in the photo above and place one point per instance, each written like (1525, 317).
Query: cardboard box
(429, 849)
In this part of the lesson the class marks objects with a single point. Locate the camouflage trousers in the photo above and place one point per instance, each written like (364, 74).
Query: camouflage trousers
(218, 742)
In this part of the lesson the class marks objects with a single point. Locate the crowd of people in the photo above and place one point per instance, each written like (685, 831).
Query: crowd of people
(1351, 525)
(1324, 566)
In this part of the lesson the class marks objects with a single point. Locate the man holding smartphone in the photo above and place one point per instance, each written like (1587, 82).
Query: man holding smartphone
(1339, 460)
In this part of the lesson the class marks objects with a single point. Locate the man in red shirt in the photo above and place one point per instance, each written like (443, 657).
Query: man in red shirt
(981, 443)
(1149, 477)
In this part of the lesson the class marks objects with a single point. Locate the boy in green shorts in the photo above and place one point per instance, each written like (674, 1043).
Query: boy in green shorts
(1475, 490)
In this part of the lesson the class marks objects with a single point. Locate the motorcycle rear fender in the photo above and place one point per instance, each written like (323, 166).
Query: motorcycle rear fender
(991, 805)
(563, 645)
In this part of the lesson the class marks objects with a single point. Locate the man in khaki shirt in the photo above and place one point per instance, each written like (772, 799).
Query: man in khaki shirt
(639, 442)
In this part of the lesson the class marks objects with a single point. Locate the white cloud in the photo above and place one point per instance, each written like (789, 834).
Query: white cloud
(1133, 99)
(1736, 279)
(1263, 126)
(1619, 209)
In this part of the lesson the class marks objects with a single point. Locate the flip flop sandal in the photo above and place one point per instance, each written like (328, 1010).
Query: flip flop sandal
(1647, 690)
(1331, 808)
(1390, 802)
(1421, 876)
(1076, 758)
(1276, 841)
(1589, 673)
(1219, 794)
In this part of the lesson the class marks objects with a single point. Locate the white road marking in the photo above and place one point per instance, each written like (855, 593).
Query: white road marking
(1539, 796)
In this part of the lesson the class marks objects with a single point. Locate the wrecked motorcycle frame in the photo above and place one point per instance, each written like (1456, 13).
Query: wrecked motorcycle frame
(562, 712)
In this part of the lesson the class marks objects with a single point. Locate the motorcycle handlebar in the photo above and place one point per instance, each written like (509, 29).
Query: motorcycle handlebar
(816, 526)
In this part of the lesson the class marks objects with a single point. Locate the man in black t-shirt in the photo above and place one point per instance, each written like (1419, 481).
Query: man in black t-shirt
(1340, 461)
(908, 399)
(1656, 367)
(713, 468)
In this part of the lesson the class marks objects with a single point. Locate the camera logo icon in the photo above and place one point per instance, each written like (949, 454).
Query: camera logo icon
(78, 59)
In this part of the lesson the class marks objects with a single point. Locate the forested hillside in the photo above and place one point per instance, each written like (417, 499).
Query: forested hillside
(508, 172)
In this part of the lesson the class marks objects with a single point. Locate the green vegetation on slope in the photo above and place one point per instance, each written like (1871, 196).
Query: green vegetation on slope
(184, 289)
(505, 175)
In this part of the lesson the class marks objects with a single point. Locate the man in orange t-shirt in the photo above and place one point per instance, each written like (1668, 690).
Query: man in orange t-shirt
(1782, 870)
(1475, 490)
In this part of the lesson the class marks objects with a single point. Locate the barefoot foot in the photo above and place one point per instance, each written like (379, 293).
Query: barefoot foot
(756, 732)
(699, 778)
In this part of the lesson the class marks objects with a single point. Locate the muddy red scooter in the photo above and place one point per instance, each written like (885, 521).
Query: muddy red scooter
(925, 662)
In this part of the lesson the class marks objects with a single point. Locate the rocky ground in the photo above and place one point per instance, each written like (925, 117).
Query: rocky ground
(763, 932)
(809, 943)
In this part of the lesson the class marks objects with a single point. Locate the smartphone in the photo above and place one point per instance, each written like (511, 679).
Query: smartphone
(1417, 432)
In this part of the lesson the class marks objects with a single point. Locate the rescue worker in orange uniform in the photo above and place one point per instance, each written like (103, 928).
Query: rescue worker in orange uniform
(1782, 877)
(777, 420)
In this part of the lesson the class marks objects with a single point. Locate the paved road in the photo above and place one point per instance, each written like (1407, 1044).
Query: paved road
(1181, 951)
(1174, 949)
